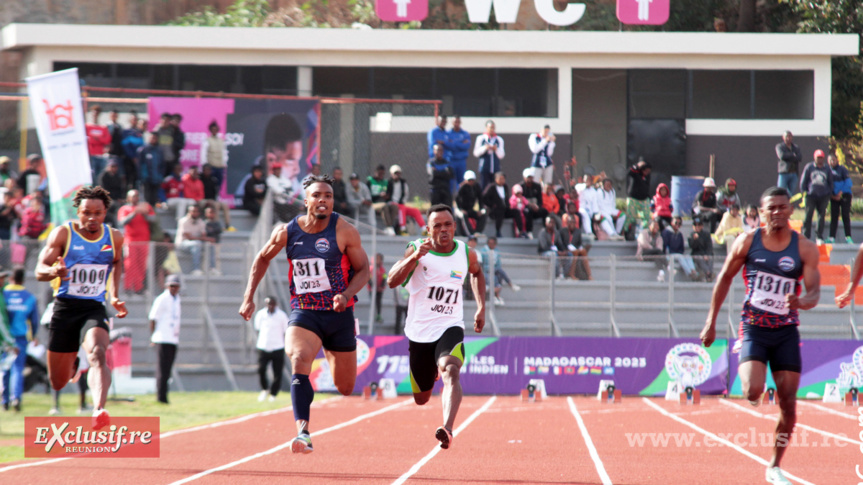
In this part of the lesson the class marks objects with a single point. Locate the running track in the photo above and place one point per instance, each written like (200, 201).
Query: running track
(498, 440)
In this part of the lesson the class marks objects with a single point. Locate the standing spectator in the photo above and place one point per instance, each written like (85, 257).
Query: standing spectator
(704, 205)
(729, 227)
(214, 233)
(193, 186)
(457, 151)
(134, 218)
(401, 295)
(165, 133)
(360, 198)
(111, 180)
(98, 140)
(6, 171)
(211, 195)
(533, 194)
(817, 185)
(283, 194)
(437, 136)
(542, 147)
(495, 198)
(790, 158)
(151, 167)
(165, 317)
(255, 190)
(649, 247)
(340, 194)
(751, 221)
(23, 314)
(489, 150)
(33, 218)
(271, 323)
(191, 236)
(492, 266)
(115, 148)
(549, 243)
(607, 206)
(701, 247)
(179, 138)
(673, 245)
(728, 196)
(7, 218)
(175, 191)
(398, 193)
(840, 201)
(661, 205)
(440, 176)
(31, 177)
(638, 194)
(571, 237)
(133, 139)
(468, 200)
(379, 273)
(377, 184)
(523, 226)
(215, 154)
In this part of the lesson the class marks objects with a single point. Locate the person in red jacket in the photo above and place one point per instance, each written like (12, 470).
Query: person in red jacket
(193, 186)
(661, 205)
(98, 140)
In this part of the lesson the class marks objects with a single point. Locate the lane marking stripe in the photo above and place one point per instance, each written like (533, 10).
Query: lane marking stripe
(828, 410)
(800, 425)
(600, 468)
(718, 439)
(437, 449)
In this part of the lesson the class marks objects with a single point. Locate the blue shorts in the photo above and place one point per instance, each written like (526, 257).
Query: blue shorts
(779, 347)
(336, 330)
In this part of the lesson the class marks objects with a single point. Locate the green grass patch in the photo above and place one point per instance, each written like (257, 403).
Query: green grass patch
(187, 409)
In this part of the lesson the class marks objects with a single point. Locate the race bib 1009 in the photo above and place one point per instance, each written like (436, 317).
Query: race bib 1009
(310, 276)
(87, 280)
(768, 292)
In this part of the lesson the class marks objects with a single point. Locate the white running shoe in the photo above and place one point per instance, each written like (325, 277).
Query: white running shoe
(262, 396)
(774, 475)
(271, 398)
(302, 444)
(499, 301)
(54, 412)
(515, 287)
(660, 277)
(444, 436)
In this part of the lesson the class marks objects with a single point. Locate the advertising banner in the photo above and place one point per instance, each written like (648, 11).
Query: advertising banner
(568, 365)
(55, 101)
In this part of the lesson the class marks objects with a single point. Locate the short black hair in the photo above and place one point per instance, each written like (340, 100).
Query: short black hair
(281, 130)
(212, 124)
(18, 276)
(775, 192)
(439, 208)
(94, 192)
(314, 179)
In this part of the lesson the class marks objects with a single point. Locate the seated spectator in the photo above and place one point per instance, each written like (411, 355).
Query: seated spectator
(359, 198)
(519, 204)
(492, 263)
(33, 218)
(704, 205)
(214, 232)
(193, 186)
(549, 243)
(673, 245)
(398, 192)
(729, 227)
(588, 202)
(285, 205)
(111, 180)
(211, 184)
(340, 194)
(551, 204)
(7, 217)
(615, 219)
(468, 201)
(377, 185)
(440, 175)
(191, 236)
(728, 196)
(563, 199)
(533, 193)
(175, 191)
(254, 191)
(495, 199)
(751, 221)
(649, 247)
(661, 205)
(701, 247)
(571, 236)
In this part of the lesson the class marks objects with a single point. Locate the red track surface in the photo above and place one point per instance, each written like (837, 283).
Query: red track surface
(498, 440)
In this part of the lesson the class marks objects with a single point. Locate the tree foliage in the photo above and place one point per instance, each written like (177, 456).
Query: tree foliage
(242, 13)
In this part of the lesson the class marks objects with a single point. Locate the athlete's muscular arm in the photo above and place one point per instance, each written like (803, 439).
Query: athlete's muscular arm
(733, 263)
(811, 278)
(118, 304)
(359, 262)
(402, 269)
(277, 242)
(477, 285)
(52, 253)
(848, 295)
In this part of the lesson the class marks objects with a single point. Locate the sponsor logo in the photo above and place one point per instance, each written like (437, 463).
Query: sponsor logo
(851, 373)
(688, 364)
(298, 243)
(58, 437)
(786, 263)
(60, 115)
(77, 248)
(322, 245)
(106, 247)
(759, 260)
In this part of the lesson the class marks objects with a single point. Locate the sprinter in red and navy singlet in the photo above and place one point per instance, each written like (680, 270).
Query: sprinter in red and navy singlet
(81, 260)
(774, 259)
(327, 267)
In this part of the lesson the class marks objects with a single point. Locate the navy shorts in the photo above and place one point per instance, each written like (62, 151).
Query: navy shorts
(336, 330)
(71, 321)
(424, 357)
(779, 347)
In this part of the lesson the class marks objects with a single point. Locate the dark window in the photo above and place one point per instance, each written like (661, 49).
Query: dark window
(657, 93)
(336, 81)
(275, 80)
(784, 95)
(403, 83)
(468, 92)
(721, 95)
(208, 78)
(525, 92)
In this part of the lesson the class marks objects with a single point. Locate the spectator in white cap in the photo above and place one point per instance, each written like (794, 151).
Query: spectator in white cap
(468, 201)
(705, 206)
(533, 193)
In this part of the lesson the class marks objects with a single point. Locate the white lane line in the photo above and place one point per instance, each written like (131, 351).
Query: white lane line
(828, 410)
(597, 462)
(755, 413)
(436, 450)
(719, 440)
(288, 444)
(28, 465)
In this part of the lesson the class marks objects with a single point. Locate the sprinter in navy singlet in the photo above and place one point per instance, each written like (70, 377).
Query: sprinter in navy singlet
(328, 266)
(82, 261)
(774, 258)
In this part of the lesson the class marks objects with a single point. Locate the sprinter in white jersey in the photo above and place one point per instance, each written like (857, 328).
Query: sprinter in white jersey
(433, 271)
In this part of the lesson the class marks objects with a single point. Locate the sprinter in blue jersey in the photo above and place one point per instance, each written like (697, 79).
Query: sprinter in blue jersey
(82, 261)
(774, 260)
(328, 267)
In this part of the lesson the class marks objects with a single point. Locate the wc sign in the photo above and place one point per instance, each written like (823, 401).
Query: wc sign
(643, 12)
(401, 10)
(479, 11)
